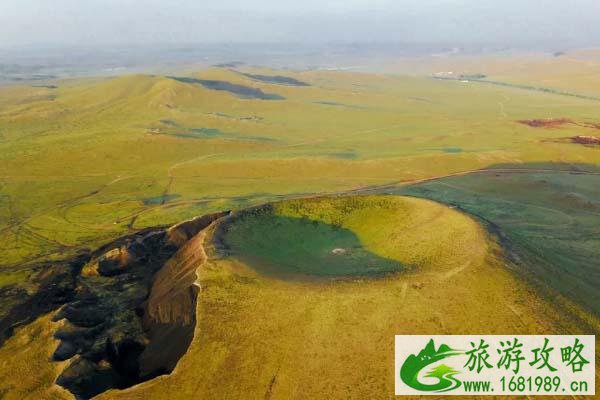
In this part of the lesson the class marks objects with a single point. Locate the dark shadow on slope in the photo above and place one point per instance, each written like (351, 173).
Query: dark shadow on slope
(244, 92)
(55, 284)
(276, 79)
(172, 128)
(341, 105)
(293, 248)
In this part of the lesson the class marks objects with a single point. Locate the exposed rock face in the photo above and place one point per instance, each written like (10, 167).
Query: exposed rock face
(132, 315)
(114, 261)
(170, 316)
(133, 251)
(179, 234)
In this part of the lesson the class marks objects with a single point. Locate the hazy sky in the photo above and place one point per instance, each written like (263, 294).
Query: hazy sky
(94, 22)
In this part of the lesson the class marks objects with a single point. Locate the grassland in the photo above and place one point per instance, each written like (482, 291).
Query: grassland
(85, 161)
(267, 336)
(548, 220)
(70, 178)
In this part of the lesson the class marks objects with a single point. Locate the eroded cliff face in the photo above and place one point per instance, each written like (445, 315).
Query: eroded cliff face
(132, 312)
(170, 311)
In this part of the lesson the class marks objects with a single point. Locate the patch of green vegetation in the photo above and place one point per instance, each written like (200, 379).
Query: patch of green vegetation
(350, 236)
(254, 138)
(200, 133)
(346, 155)
(548, 221)
(160, 199)
(289, 239)
(452, 150)
(169, 122)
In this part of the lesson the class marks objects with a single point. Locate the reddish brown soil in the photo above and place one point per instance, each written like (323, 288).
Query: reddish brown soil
(556, 122)
(586, 140)
(546, 123)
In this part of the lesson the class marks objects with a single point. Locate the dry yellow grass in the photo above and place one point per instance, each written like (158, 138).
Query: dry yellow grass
(26, 372)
